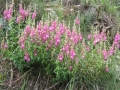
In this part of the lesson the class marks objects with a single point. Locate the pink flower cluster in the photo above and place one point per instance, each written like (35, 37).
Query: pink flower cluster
(77, 21)
(22, 14)
(105, 54)
(34, 14)
(111, 51)
(108, 53)
(61, 57)
(89, 36)
(26, 57)
(8, 13)
(42, 34)
(99, 37)
(21, 42)
(72, 39)
(117, 40)
(5, 46)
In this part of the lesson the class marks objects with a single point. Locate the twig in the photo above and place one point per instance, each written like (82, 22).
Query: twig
(82, 87)
(53, 86)
(98, 13)
(11, 75)
(37, 80)
(17, 79)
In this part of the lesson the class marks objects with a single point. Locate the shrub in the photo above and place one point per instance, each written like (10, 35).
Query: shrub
(59, 51)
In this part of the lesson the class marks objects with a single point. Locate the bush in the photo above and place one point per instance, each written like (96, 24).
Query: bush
(59, 51)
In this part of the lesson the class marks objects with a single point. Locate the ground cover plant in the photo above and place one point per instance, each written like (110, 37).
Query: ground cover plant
(60, 51)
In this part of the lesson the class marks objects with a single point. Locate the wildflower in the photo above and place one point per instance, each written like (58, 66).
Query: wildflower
(22, 46)
(89, 36)
(27, 30)
(35, 52)
(70, 68)
(77, 21)
(21, 11)
(26, 14)
(105, 54)
(69, 33)
(106, 69)
(80, 37)
(32, 32)
(34, 14)
(5, 46)
(87, 48)
(72, 54)
(111, 51)
(8, 13)
(83, 56)
(50, 43)
(57, 40)
(62, 29)
(66, 48)
(76, 60)
(60, 57)
(19, 18)
(26, 57)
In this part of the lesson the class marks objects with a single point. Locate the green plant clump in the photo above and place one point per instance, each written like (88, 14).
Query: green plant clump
(59, 51)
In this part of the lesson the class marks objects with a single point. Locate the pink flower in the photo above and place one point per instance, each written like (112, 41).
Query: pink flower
(21, 11)
(80, 37)
(111, 51)
(26, 57)
(87, 48)
(5, 12)
(106, 69)
(62, 29)
(105, 54)
(72, 54)
(35, 52)
(8, 13)
(5, 46)
(32, 32)
(60, 57)
(77, 21)
(50, 44)
(22, 46)
(27, 30)
(70, 68)
(26, 13)
(34, 15)
(77, 61)
(89, 36)
(57, 40)
(83, 57)
(19, 18)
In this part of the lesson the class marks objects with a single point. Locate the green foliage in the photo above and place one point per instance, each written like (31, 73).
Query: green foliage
(43, 45)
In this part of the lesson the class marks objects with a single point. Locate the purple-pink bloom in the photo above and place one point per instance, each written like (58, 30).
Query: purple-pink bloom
(77, 21)
(5, 46)
(34, 14)
(72, 54)
(105, 54)
(106, 69)
(8, 13)
(35, 52)
(26, 57)
(70, 68)
(89, 36)
(60, 57)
